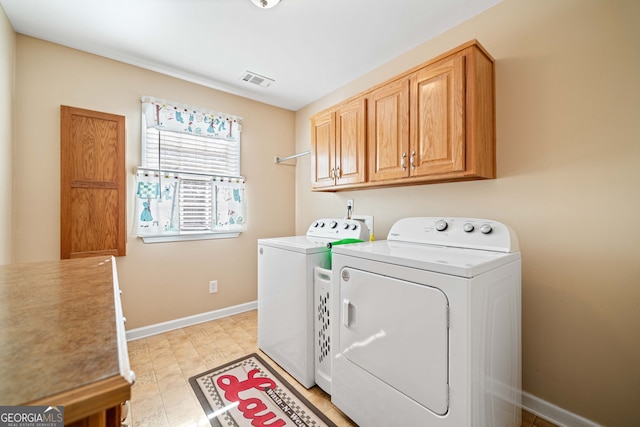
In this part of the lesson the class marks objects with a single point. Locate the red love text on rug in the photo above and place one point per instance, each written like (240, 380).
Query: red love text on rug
(251, 407)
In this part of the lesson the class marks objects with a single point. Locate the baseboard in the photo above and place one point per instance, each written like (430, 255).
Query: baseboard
(159, 328)
(555, 414)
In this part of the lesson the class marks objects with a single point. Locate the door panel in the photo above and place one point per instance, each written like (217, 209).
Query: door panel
(438, 127)
(322, 151)
(350, 142)
(93, 232)
(92, 187)
(389, 131)
(398, 332)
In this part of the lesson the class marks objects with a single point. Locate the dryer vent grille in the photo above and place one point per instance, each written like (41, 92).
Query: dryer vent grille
(256, 79)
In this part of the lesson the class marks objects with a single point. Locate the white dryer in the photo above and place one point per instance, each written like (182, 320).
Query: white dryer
(286, 308)
(426, 326)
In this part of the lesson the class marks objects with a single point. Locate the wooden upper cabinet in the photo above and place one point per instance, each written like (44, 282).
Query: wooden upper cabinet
(92, 187)
(433, 123)
(338, 145)
(388, 138)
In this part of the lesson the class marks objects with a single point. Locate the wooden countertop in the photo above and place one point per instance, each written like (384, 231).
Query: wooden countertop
(58, 332)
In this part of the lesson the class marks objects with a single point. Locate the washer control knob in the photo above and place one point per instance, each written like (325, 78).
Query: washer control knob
(354, 227)
(316, 224)
(321, 224)
(345, 225)
(441, 225)
(333, 224)
(485, 229)
(468, 227)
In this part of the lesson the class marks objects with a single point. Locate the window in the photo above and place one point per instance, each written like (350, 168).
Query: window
(189, 182)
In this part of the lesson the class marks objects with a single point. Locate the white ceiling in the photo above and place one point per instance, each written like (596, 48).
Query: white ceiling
(308, 47)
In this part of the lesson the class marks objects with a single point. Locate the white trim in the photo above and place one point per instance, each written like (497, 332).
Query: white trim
(159, 328)
(555, 414)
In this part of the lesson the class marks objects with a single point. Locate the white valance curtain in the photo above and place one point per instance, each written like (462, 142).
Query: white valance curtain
(167, 115)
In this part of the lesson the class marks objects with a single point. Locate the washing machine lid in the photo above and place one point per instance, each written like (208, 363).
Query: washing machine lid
(462, 262)
(302, 244)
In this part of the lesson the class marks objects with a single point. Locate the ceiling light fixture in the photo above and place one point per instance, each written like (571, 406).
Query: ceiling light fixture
(265, 4)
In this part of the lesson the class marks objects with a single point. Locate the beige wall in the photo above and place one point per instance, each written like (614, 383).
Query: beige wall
(568, 155)
(7, 60)
(162, 281)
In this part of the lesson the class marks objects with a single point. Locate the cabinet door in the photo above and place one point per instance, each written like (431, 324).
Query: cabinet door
(323, 150)
(92, 193)
(438, 119)
(388, 112)
(350, 142)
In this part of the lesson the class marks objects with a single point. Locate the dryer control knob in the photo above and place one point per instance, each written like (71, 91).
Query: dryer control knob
(468, 227)
(485, 229)
(333, 224)
(441, 225)
(345, 225)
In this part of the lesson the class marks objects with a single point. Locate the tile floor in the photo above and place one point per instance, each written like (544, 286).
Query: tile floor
(162, 396)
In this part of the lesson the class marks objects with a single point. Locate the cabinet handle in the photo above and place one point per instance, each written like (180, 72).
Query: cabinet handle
(338, 173)
(404, 161)
(332, 174)
(413, 160)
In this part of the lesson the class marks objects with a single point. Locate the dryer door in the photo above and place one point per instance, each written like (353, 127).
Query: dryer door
(398, 332)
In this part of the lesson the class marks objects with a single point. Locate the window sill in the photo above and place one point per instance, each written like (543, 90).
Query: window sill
(187, 237)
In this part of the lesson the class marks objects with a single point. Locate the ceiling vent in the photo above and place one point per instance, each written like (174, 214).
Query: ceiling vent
(256, 79)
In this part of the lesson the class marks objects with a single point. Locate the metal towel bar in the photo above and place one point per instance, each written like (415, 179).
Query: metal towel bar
(279, 160)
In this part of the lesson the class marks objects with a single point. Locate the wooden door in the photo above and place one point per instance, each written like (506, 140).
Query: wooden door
(438, 107)
(388, 137)
(92, 187)
(323, 150)
(350, 142)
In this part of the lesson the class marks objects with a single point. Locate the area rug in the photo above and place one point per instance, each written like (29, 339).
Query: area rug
(248, 392)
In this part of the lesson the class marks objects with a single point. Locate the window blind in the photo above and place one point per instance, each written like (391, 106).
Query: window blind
(196, 202)
(182, 152)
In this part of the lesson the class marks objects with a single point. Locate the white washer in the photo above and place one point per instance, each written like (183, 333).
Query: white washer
(426, 326)
(285, 292)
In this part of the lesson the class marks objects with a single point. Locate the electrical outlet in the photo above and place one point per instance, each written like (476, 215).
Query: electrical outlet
(213, 286)
(350, 204)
